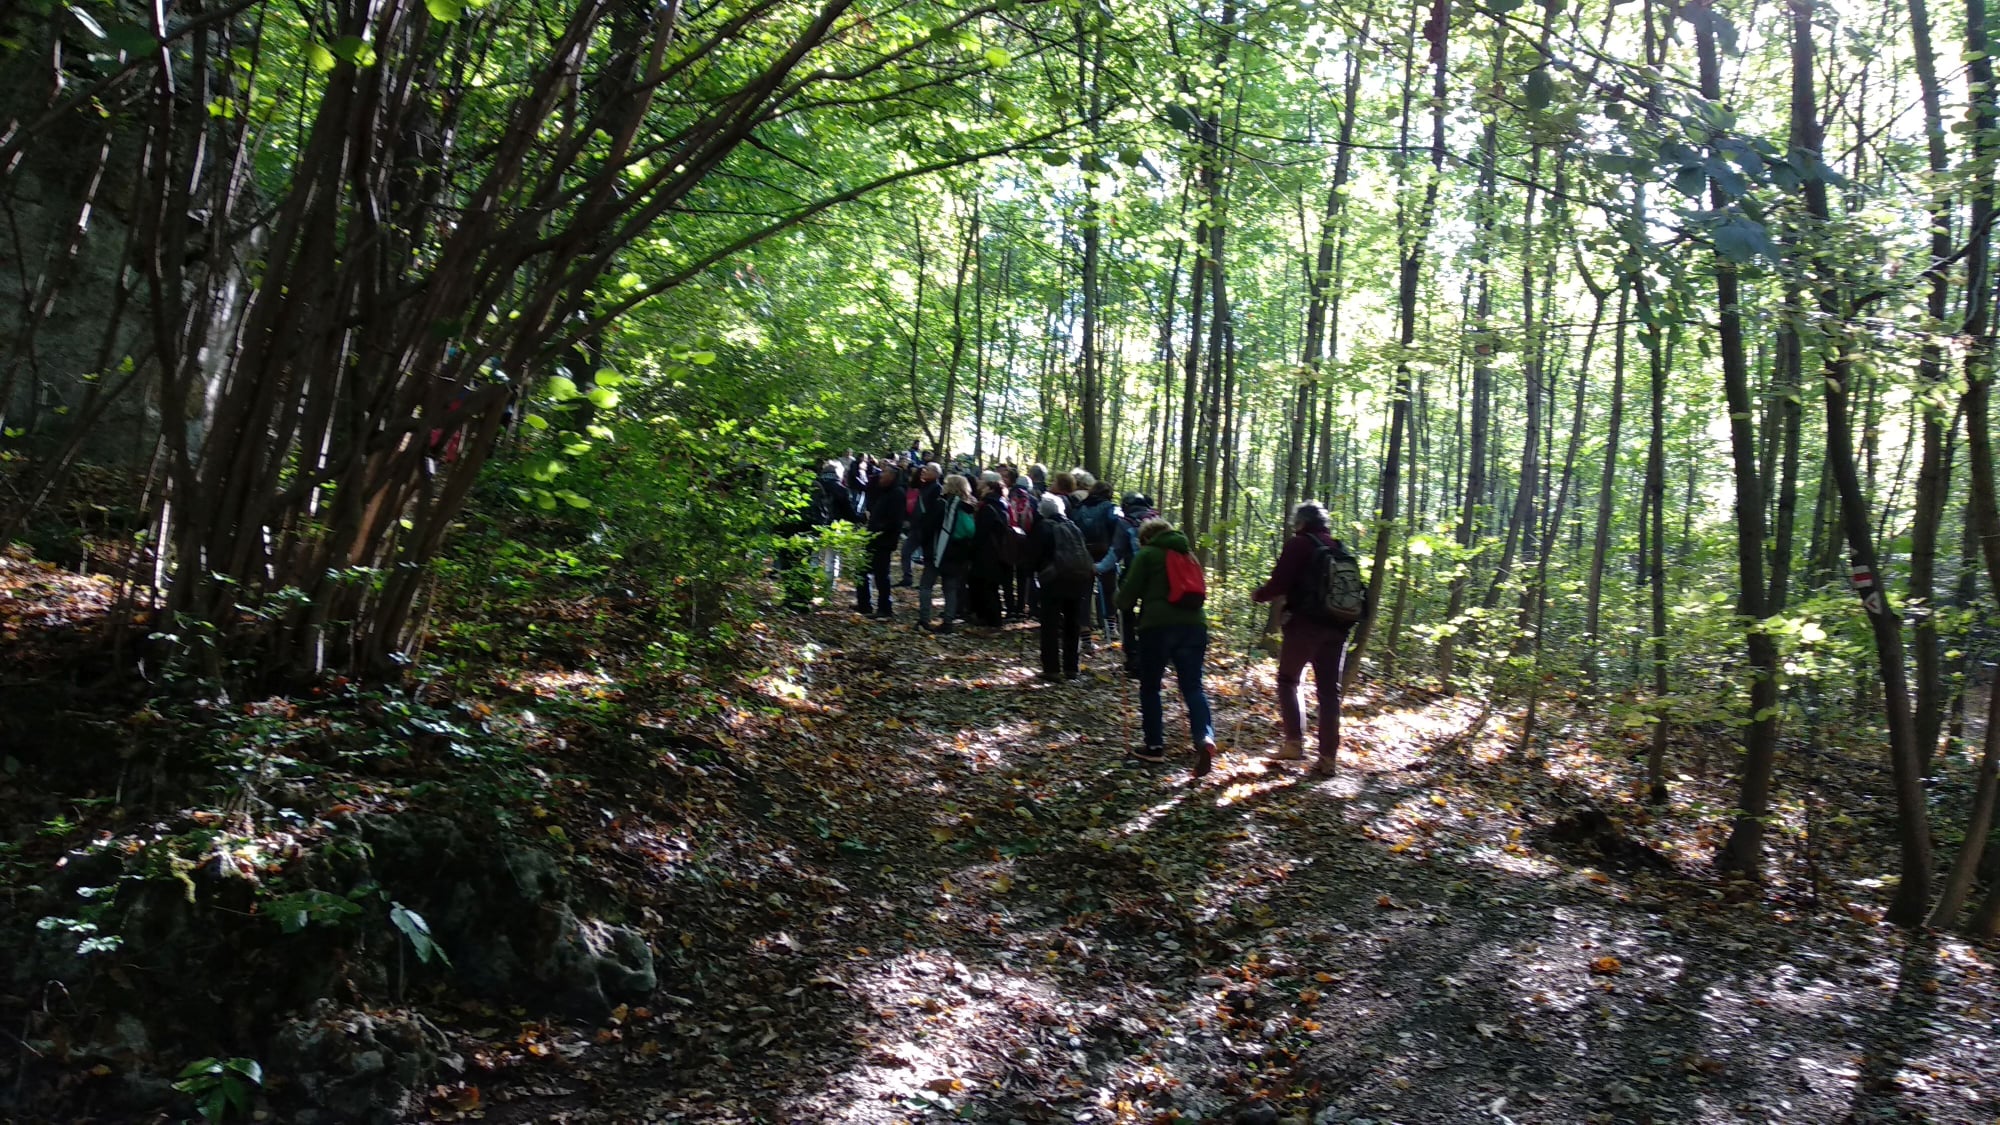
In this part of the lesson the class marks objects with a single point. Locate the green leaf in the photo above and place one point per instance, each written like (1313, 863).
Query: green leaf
(1740, 239)
(701, 359)
(1540, 89)
(605, 377)
(536, 422)
(604, 398)
(414, 927)
(1725, 32)
(1690, 180)
(572, 499)
(1502, 7)
(322, 60)
(131, 38)
(995, 57)
(628, 281)
(445, 11)
(562, 388)
(353, 49)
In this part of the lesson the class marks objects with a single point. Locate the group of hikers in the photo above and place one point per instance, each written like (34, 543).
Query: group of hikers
(1006, 544)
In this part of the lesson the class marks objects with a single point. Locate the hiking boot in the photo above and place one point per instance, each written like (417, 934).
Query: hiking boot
(1151, 755)
(1290, 750)
(885, 617)
(1204, 758)
(1325, 766)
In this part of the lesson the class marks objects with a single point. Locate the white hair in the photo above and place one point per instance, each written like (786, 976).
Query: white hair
(1053, 506)
(989, 477)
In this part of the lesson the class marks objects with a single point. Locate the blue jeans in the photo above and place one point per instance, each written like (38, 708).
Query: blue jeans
(1185, 647)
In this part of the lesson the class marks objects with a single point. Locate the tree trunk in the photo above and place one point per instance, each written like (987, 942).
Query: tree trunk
(1913, 828)
(1457, 625)
(1593, 598)
(1743, 853)
(1934, 469)
(1976, 402)
(1414, 228)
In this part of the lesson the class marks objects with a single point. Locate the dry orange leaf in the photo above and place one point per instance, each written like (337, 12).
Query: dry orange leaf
(1607, 966)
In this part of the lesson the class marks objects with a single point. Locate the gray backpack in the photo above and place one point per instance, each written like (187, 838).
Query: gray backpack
(1332, 589)
(1069, 569)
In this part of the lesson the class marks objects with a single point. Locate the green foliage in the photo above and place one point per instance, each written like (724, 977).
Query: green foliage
(412, 926)
(221, 1088)
(298, 910)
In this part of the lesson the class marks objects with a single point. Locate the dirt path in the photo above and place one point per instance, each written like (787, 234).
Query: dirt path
(908, 884)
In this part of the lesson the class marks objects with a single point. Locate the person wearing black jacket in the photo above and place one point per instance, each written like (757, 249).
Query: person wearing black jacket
(1062, 610)
(915, 546)
(886, 504)
(834, 506)
(988, 567)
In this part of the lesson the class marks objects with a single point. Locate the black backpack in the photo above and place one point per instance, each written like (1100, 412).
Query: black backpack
(1331, 589)
(1069, 570)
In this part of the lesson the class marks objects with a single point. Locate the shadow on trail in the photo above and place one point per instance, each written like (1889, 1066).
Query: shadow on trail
(958, 899)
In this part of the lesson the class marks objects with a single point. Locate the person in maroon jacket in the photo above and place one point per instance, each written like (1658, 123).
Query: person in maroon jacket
(1308, 640)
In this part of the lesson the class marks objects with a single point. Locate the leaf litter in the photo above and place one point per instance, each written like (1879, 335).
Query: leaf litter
(889, 877)
(958, 901)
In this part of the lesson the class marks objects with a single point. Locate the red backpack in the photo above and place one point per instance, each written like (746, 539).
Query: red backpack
(1020, 510)
(1186, 588)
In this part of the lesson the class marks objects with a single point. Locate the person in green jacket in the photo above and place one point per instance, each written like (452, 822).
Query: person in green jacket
(1168, 634)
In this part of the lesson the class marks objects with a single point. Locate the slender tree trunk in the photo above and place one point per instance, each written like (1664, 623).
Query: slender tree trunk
(918, 412)
(1593, 598)
(1977, 403)
(1653, 549)
(1414, 227)
(1457, 625)
(945, 412)
(1744, 851)
(1934, 469)
(1913, 829)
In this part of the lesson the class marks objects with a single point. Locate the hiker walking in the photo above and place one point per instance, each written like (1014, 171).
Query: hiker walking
(1100, 518)
(1317, 583)
(989, 568)
(950, 534)
(1136, 510)
(837, 506)
(1165, 583)
(917, 503)
(886, 502)
(1062, 567)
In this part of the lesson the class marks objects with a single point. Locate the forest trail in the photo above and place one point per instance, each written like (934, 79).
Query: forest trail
(917, 886)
